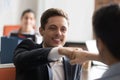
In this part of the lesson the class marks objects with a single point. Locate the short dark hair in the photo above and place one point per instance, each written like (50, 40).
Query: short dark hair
(51, 13)
(27, 11)
(106, 25)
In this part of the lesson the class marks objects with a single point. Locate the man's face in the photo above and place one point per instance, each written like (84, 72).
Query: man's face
(55, 32)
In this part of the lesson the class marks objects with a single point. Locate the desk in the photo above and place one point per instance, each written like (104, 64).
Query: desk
(10, 65)
(7, 71)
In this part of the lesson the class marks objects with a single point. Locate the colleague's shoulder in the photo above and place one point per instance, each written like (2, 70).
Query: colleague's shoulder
(111, 74)
(113, 77)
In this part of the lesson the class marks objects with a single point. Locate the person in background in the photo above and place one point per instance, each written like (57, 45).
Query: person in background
(27, 26)
(106, 25)
(44, 61)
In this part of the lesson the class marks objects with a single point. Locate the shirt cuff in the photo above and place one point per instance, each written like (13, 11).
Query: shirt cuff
(54, 54)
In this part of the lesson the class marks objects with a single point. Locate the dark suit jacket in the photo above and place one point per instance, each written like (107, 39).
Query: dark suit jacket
(31, 61)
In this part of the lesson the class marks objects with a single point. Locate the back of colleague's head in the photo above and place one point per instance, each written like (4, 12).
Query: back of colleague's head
(51, 13)
(106, 25)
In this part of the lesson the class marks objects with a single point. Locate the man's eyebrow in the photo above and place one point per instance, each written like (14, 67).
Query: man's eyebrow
(52, 25)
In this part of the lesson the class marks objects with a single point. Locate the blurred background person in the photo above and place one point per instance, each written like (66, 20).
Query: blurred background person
(27, 26)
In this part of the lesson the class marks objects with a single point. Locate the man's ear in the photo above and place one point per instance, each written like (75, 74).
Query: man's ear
(100, 44)
(41, 30)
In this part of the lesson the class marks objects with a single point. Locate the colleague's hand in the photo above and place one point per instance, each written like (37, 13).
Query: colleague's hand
(77, 55)
(80, 57)
(69, 51)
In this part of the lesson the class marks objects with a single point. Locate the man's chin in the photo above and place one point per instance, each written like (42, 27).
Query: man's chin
(56, 45)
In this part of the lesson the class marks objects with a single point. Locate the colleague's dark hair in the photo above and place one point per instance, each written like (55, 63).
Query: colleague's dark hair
(50, 13)
(27, 11)
(106, 25)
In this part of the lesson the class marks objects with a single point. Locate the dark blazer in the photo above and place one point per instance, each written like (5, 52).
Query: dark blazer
(31, 62)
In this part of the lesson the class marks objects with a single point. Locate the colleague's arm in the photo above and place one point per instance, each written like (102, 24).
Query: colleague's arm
(77, 55)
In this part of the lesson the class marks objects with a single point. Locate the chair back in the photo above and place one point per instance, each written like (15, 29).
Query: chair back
(9, 28)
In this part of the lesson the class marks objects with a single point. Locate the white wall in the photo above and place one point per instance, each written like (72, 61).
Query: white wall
(79, 11)
(80, 14)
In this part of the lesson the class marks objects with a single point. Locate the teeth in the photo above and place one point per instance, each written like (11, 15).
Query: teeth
(57, 39)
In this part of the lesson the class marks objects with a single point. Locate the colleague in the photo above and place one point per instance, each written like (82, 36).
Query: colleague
(27, 26)
(106, 25)
(44, 61)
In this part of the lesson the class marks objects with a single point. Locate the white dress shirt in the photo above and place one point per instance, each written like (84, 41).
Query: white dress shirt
(57, 66)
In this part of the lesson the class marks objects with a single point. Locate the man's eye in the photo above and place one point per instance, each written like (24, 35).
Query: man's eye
(52, 28)
(63, 29)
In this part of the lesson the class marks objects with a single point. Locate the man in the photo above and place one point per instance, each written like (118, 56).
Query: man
(106, 25)
(44, 61)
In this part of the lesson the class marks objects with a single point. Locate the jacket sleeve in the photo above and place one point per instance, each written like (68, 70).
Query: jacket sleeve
(28, 53)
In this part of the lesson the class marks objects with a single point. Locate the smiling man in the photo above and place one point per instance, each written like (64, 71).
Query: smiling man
(43, 61)
(54, 32)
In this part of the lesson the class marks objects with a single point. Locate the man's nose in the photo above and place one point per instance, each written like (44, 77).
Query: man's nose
(59, 32)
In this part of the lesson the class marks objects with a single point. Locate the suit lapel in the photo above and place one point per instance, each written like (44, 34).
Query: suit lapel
(67, 69)
(72, 72)
(50, 72)
(48, 66)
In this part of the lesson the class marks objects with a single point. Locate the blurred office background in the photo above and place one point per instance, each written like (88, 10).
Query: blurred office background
(79, 11)
(80, 14)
